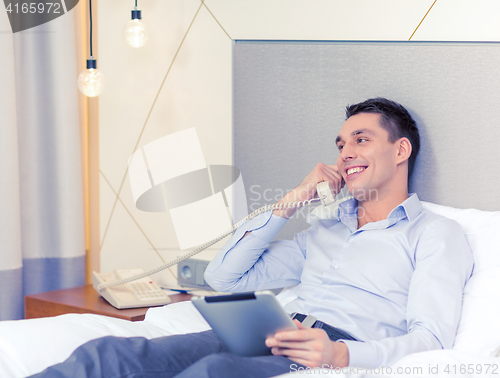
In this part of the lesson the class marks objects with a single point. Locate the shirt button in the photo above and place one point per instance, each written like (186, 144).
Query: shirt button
(351, 240)
(319, 300)
(336, 266)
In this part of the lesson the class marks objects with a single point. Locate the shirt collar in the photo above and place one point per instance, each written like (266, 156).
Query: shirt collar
(409, 208)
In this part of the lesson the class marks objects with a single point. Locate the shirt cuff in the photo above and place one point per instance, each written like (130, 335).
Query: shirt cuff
(363, 355)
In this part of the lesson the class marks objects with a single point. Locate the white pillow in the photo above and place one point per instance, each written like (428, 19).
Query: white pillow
(482, 230)
(479, 329)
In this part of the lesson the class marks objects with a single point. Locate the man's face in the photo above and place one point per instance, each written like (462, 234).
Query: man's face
(367, 160)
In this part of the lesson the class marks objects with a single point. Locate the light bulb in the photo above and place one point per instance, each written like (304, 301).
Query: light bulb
(90, 81)
(135, 32)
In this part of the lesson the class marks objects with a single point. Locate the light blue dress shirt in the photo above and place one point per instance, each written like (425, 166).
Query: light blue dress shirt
(395, 284)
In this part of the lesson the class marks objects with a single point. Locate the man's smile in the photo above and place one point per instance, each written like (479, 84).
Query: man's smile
(353, 171)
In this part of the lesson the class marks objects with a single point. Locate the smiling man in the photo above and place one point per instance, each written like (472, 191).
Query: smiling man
(383, 278)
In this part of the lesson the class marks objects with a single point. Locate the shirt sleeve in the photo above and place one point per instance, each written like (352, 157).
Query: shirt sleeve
(443, 264)
(255, 262)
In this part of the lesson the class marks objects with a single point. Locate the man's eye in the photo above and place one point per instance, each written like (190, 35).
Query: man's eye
(340, 147)
(362, 140)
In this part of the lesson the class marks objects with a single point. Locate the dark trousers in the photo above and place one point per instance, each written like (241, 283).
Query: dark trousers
(194, 355)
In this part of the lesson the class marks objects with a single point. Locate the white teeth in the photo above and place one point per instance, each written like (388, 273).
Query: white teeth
(354, 170)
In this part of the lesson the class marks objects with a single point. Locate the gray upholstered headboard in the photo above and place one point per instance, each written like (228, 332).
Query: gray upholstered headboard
(289, 100)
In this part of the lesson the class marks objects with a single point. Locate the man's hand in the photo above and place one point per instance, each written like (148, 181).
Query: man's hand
(310, 347)
(307, 188)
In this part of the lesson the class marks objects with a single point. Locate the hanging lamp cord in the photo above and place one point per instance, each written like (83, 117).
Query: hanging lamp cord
(90, 12)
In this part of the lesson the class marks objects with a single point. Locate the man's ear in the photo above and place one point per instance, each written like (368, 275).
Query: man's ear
(404, 149)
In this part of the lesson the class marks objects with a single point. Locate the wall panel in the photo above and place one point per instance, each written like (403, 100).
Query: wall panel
(187, 64)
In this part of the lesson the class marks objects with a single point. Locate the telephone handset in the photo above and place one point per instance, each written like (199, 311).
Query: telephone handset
(325, 193)
(135, 288)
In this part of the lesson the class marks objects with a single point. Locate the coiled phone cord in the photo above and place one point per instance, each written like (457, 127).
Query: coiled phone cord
(263, 209)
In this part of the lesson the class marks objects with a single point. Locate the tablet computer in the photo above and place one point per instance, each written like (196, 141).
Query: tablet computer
(243, 321)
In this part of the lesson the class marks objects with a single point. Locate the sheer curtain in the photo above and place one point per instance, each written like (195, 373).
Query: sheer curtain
(42, 236)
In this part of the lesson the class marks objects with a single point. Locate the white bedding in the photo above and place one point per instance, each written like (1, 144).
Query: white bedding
(28, 346)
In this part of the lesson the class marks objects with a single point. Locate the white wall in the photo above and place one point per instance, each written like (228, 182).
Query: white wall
(182, 79)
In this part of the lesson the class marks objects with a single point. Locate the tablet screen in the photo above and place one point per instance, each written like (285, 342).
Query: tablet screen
(243, 321)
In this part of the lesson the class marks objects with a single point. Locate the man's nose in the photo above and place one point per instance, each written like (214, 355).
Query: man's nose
(348, 153)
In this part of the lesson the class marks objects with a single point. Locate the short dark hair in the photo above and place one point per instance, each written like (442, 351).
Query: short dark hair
(395, 119)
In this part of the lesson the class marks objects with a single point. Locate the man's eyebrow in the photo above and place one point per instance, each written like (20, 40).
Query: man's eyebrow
(356, 132)
(362, 131)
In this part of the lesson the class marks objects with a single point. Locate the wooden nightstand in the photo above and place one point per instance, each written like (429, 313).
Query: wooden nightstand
(82, 300)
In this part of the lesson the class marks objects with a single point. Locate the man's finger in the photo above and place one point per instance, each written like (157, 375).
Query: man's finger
(281, 337)
(335, 177)
(333, 168)
(292, 345)
(333, 173)
(305, 358)
(299, 324)
(304, 334)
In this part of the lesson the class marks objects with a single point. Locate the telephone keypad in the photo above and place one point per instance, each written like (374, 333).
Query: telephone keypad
(146, 291)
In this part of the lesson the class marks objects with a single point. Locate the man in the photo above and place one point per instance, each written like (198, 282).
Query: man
(384, 278)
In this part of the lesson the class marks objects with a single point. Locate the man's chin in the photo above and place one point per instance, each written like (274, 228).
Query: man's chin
(363, 194)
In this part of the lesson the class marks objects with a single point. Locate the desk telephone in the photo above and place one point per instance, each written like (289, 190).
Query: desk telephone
(128, 288)
(143, 292)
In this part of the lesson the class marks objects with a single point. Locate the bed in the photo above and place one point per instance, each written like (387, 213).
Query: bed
(28, 346)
